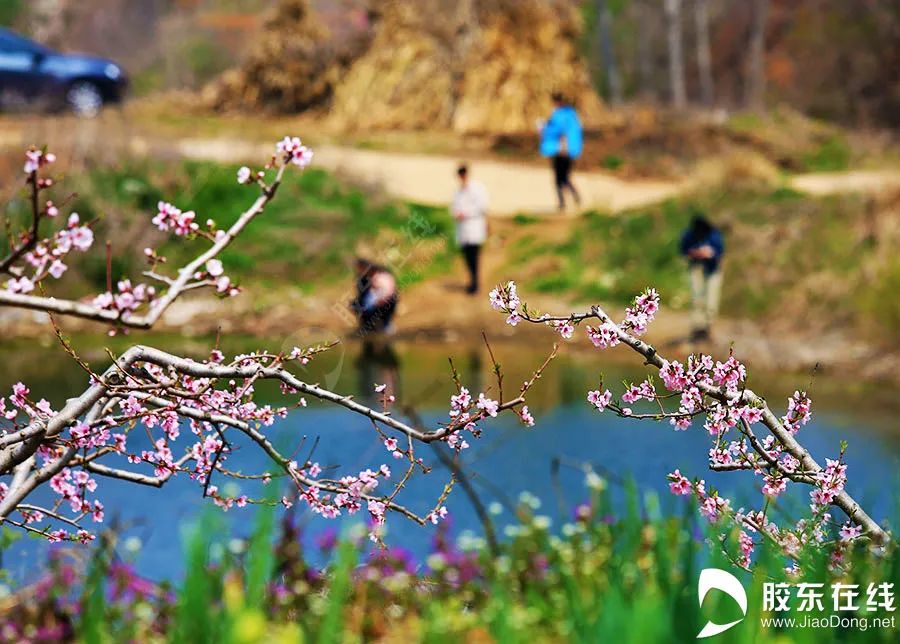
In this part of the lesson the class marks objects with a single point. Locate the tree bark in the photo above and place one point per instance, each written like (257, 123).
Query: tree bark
(704, 58)
(756, 62)
(607, 53)
(645, 18)
(676, 55)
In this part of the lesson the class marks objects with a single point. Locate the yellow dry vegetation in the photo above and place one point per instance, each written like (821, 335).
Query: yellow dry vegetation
(470, 67)
(486, 67)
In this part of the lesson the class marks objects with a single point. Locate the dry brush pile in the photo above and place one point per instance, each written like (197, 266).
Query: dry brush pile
(474, 67)
(293, 66)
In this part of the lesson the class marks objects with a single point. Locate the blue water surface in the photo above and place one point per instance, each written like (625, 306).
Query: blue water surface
(548, 461)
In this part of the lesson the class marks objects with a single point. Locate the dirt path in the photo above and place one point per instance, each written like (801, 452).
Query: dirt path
(828, 183)
(514, 187)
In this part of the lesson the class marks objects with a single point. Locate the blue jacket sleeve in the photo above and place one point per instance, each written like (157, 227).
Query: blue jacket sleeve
(717, 242)
(683, 245)
(551, 133)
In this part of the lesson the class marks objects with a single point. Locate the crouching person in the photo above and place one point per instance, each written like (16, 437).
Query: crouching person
(376, 298)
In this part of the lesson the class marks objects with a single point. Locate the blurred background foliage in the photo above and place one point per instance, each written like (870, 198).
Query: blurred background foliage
(621, 567)
(828, 58)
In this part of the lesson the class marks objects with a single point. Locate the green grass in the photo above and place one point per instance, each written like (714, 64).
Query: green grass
(308, 234)
(612, 162)
(624, 571)
(523, 219)
(10, 11)
(880, 302)
(831, 155)
(800, 143)
(785, 254)
(610, 258)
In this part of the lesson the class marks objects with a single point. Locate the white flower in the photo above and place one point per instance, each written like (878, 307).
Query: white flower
(82, 237)
(21, 285)
(57, 268)
(214, 267)
(595, 481)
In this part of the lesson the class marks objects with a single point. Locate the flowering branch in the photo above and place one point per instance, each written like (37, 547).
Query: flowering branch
(152, 391)
(46, 257)
(149, 388)
(35, 159)
(717, 390)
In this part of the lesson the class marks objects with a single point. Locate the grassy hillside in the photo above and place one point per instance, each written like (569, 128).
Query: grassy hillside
(795, 260)
(798, 260)
(307, 236)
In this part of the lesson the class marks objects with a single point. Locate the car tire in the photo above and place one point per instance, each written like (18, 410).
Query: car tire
(84, 98)
(12, 101)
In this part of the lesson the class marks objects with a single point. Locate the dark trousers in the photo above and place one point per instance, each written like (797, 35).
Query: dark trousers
(378, 318)
(470, 254)
(562, 173)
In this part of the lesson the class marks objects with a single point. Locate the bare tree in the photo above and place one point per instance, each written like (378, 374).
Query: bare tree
(645, 17)
(676, 55)
(756, 61)
(704, 59)
(607, 53)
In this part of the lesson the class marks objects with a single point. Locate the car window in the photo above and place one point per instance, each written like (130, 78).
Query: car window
(11, 42)
(16, 61)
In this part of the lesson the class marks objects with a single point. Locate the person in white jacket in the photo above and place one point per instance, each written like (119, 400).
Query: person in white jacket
(469, 208)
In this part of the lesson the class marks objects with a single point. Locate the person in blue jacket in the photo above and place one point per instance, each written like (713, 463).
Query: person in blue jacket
(703, 246)
(561, 142)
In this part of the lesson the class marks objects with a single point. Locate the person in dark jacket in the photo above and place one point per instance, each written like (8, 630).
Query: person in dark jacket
(376, 297)
(561, 142)
(703, 246)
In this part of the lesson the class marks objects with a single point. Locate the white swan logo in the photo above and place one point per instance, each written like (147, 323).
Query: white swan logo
(716, 578)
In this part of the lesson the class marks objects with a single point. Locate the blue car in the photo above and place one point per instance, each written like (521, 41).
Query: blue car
(34, 75)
